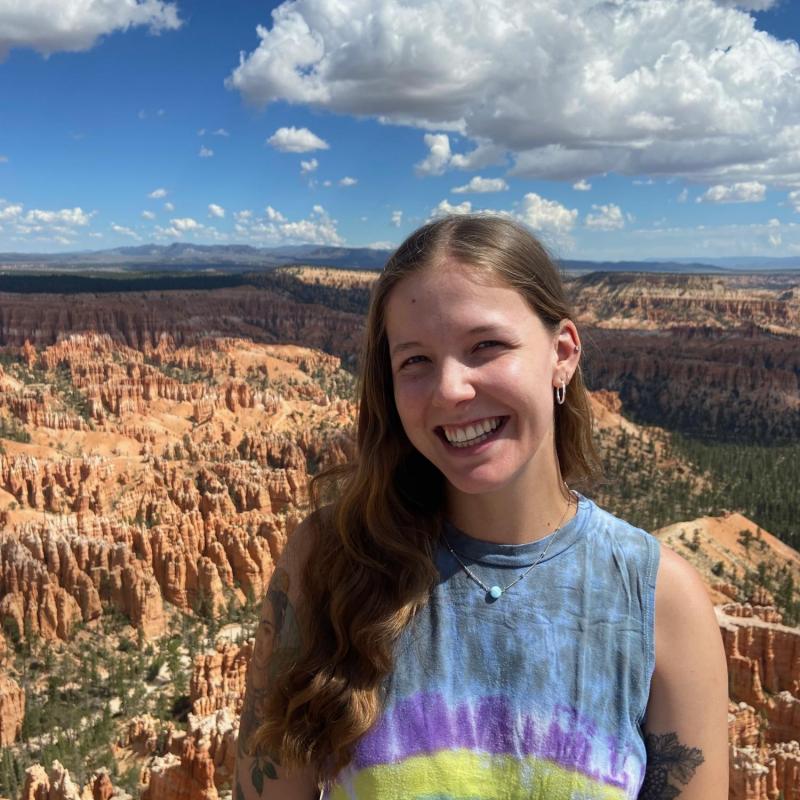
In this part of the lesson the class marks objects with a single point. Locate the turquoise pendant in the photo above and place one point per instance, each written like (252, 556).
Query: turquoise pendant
(495, 592)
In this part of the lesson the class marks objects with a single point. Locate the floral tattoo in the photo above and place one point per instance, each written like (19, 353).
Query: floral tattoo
(668, 762)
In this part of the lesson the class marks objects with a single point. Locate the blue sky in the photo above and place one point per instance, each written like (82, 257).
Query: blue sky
(626, 129)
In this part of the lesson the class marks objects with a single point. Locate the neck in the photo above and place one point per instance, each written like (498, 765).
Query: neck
(516, 517)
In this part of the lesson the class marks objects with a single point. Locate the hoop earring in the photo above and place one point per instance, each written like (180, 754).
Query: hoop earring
(561, 393)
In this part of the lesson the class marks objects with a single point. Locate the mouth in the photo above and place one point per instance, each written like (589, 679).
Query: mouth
(469, 435)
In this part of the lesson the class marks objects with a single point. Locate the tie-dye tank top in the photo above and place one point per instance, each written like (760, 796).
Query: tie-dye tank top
(538, 694)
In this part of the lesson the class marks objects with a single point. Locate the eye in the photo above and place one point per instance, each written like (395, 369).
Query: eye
(487, 343)
(412, 360)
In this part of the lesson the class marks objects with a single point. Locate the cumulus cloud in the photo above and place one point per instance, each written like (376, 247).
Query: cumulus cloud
(148, 215)
(216, 211)
(582, 185)
(632, 86)
(220, 132)
(51, 26)
(745, 192)
(121, 229)
(793, 197)
(275, 228)
(9, 211)
(169, 206)
(445, 207)
(547, 216)
(397, 218)
(56, 224)
(184, 224)
(440, 157)
(157, 194)
(684, 195)
(307, 167)
(348, 181)
(65, 216)
(296, 140)
(481, 185)
(605, 218)
(205, 152)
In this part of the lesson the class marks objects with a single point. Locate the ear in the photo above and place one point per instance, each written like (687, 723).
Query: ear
(567, 345)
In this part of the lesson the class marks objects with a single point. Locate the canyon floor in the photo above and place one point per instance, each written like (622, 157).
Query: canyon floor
(155, 449)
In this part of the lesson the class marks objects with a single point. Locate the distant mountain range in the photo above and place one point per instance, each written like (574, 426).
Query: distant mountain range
(232, 258)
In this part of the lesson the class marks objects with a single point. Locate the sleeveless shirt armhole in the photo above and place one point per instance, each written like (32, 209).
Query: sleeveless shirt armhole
(648, 618)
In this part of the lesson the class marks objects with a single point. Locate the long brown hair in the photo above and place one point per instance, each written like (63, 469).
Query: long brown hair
(376, 521)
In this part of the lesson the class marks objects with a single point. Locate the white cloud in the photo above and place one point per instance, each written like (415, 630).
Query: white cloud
(794, 200)
(121, 229)
(382, 245)
(205, 152)
(169, 206)
(348, 181)
(745, 192)
(445, 207)
(547, 216)
(273, 215)
(220, 132)
(481, 185)
(275, 228)
(307, 167)
(50, 26)
(201, 132)
(148, 215)
(397, 218)
(582, 185)
(216, 211)
(9, 211)
(244, 214)
(438, 157)
(684, 195)
(606, 218)
(774, 233)
(326, 183)
(184, 224)
(690, 89)
(296, 140)
(157, 194)
(66, 216)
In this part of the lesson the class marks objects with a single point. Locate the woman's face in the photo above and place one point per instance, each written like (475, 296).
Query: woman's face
(474, 369)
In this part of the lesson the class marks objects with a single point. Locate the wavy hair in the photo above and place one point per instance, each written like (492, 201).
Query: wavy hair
(377, 520)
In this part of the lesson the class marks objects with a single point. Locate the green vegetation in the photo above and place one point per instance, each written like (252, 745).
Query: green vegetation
(80, 694)
(13, 429)
(73, 398)
(64, 283)
(760, 482)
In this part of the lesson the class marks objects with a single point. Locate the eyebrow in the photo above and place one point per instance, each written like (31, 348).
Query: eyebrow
(403, 346)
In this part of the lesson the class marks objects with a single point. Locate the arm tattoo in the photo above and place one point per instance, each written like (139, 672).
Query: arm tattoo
(277, 638)
(668, 762)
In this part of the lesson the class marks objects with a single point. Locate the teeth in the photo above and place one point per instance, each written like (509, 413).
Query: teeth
(471, 432)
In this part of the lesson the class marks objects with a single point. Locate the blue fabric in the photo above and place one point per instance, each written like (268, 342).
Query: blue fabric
(542, 690)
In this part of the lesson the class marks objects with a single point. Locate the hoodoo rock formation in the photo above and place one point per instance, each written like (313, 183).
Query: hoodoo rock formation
(155, 456)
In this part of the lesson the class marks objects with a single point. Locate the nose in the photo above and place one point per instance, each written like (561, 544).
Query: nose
(453, 384)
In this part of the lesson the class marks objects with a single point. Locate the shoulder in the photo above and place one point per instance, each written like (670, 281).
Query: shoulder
(683, 606)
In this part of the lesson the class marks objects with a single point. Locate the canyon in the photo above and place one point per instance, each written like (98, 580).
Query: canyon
(156, 451)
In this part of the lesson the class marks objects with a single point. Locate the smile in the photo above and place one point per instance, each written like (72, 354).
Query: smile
(472, 434)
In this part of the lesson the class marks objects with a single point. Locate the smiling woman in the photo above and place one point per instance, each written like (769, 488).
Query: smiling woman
(463, 623)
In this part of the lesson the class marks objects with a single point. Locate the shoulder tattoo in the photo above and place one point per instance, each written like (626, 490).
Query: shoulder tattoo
(668, 763)
(277, 639)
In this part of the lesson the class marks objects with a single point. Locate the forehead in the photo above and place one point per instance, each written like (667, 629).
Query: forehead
(453, 297)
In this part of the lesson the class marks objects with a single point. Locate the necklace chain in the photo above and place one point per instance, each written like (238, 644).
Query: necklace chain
(496, 591)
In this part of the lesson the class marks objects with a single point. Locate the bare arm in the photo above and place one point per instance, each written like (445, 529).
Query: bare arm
(686, 728)
(258, 774)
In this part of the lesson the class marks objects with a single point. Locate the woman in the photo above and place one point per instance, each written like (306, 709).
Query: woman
(455, 622)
